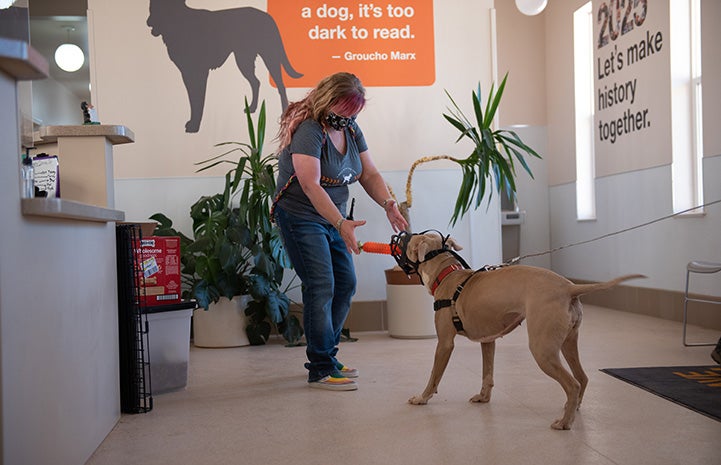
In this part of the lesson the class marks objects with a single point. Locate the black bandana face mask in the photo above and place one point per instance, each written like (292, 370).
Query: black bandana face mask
(338, 122)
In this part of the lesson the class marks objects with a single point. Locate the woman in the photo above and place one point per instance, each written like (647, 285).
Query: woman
(322, 151)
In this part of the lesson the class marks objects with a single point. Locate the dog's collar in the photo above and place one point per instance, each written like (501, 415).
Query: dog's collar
(441, 276)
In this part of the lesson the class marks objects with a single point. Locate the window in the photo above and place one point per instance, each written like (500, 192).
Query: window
(583, 88)
(686, 110)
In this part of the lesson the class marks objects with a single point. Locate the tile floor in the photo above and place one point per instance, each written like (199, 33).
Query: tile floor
(251, 405)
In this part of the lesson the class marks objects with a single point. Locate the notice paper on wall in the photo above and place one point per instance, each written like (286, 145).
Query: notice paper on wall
(47, 174)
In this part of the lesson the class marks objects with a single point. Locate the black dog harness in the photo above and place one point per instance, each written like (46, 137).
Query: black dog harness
(443, 303)
(399, 244)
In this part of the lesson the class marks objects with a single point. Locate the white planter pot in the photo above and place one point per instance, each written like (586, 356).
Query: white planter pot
(410, 312)
(410, 307)
(222, 325)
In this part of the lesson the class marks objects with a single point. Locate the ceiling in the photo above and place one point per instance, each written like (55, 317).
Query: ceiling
(49, 23)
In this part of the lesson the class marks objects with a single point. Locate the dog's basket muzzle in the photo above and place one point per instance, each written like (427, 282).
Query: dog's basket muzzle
(399, 246)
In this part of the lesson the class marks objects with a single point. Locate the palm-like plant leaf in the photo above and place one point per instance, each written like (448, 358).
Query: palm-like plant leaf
(493, 154)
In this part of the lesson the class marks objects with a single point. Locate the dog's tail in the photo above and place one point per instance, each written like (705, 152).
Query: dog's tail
(272, 48)
(580, 289)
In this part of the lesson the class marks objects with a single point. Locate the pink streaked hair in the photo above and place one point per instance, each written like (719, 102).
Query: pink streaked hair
(340, 93)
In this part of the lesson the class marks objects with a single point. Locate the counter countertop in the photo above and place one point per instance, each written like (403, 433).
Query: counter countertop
(116, 134)
(68, 209)
(21, 61)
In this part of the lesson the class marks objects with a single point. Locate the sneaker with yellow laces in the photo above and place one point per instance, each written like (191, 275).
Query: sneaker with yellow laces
(334, 382)
(346, 371)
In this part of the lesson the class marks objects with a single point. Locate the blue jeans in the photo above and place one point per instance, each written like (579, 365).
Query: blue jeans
(325, 268)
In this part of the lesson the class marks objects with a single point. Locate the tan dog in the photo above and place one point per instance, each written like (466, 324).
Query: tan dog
(492, 304)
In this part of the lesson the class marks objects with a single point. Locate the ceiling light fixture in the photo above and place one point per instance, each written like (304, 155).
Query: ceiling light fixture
(69, 57)
(531, 7)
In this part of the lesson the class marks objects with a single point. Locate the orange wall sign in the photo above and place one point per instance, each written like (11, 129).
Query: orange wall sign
(386, 43)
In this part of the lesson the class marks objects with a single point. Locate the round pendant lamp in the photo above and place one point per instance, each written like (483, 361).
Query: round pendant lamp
(69, 57)
(531, 7)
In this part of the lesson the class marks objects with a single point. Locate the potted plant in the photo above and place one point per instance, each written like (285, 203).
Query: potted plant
(492, 155)
(235, 249)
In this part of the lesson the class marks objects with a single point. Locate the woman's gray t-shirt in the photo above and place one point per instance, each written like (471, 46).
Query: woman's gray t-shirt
(336, 170)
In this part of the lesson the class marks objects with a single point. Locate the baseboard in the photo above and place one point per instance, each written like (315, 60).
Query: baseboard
(363, 316)
(659, 303)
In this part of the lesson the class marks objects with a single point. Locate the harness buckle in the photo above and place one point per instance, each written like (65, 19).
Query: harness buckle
(457, 323)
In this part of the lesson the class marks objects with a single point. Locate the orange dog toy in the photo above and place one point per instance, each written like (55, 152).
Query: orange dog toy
(376, 247)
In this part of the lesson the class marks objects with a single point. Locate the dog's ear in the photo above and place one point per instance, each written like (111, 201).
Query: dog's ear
(412, 249)
(453, 244)
(422, 249)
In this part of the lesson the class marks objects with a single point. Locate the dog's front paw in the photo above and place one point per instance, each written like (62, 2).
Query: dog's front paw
(483, 397)
(561, 424)
(417, 400)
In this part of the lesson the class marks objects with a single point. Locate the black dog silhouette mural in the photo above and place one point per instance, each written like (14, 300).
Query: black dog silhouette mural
(201, 40)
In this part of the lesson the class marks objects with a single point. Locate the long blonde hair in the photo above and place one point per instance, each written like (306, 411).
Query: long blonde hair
(341, 91)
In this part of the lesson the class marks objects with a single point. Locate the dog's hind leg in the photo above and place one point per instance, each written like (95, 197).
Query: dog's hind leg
(446, 333)
(570, 351)
(546, 336)
(550, 363)
(488, 351)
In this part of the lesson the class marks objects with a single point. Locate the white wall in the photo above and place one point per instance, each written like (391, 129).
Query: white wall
(660, 250)
(54, 104)
(521, 53)
(532, 198)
